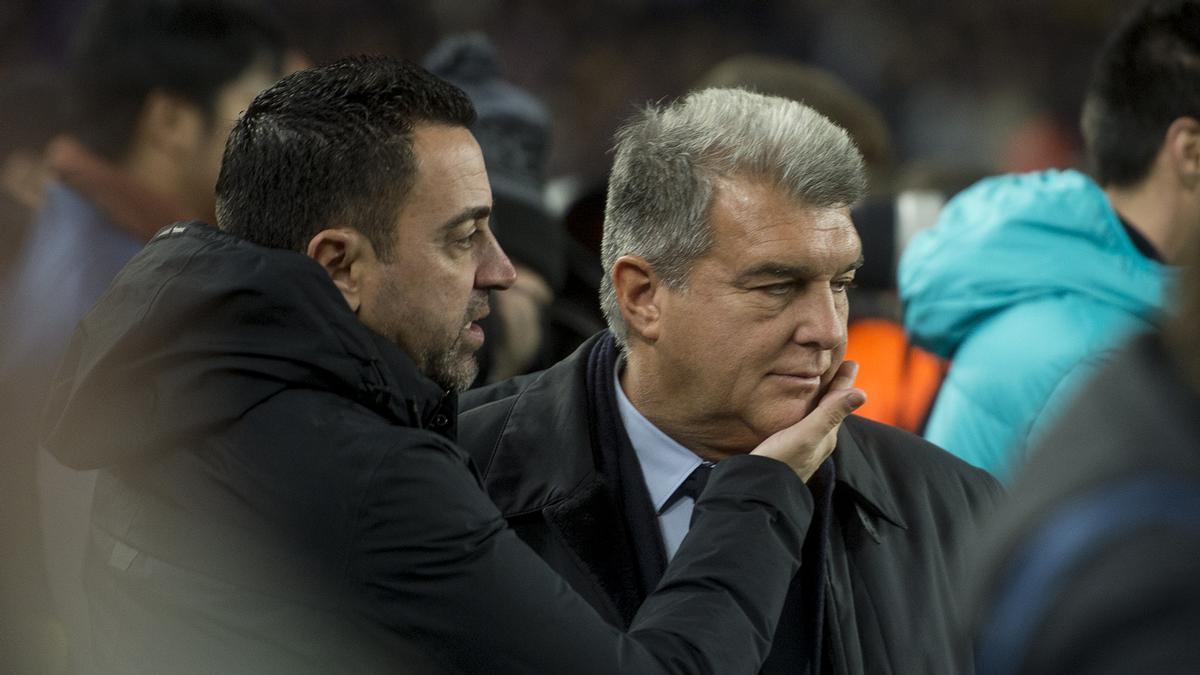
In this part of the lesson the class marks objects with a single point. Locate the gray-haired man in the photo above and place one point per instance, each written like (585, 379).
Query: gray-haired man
(729, 250)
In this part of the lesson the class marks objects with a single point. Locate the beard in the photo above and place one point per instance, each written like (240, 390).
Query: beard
(451, 364)
(454, 368)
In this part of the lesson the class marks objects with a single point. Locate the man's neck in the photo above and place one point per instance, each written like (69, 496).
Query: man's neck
(705, 438)
(1157, 212)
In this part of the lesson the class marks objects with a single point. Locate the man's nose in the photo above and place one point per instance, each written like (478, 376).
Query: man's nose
(496, 271)
(820, 321)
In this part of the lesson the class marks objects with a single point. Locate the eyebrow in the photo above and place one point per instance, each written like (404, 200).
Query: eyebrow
(467, 215)
(784, 271)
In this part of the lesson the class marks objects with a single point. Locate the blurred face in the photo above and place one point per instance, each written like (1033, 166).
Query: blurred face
(753, 341)
(205, 164)
(520, 312)
(430, 293)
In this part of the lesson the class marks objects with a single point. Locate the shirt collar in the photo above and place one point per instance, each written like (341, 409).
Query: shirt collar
(665, 463)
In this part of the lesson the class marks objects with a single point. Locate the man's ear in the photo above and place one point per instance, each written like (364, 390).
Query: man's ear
(171, 124)
(637, 288)
(348, 258)
(1183, 144)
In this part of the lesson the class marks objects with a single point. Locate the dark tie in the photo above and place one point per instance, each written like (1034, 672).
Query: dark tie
(691, 486)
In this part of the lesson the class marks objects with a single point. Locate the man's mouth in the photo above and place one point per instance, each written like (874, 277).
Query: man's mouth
(800, 379)
(474, 331)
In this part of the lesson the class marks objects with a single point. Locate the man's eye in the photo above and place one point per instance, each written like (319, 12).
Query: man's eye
(842, 285)
(467, 241)
(778, 290)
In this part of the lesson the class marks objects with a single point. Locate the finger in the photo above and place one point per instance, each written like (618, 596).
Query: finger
(844, 377)
(823, 420)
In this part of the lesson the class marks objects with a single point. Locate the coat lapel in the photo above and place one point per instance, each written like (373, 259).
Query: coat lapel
(561, 479)
(592, 528)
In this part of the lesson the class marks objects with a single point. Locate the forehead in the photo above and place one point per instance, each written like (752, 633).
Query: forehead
(447, 154)
(755, 221)
(450, 173)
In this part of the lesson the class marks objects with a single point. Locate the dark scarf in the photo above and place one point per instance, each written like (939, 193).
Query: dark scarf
(619, 465)
(797, 646)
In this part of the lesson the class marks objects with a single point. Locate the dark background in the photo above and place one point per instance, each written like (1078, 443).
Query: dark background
(986, 85)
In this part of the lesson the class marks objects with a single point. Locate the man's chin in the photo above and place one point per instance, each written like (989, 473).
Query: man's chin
(786, 414)
(455, 374)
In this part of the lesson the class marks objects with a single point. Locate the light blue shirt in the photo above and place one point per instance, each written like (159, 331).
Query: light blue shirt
(665, 465)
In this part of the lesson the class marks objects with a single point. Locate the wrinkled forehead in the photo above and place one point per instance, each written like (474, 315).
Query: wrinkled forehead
(754, 221)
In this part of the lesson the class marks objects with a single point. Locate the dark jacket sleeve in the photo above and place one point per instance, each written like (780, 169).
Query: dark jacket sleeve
(1132, 608)
(440, 567)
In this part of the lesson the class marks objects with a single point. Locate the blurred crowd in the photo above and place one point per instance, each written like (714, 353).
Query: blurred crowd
(1023, 220)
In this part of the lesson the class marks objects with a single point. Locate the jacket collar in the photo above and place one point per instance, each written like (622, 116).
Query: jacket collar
(563, 480)
(525, 473)
(858, 472)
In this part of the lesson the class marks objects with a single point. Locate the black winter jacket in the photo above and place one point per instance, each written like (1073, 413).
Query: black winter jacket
(901, 508)
(280, 492)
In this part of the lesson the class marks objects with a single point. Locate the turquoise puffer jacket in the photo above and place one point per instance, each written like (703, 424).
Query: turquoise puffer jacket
(1028, 282)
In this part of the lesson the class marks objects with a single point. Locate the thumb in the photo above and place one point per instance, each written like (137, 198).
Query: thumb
(834, 407)
(841, 399)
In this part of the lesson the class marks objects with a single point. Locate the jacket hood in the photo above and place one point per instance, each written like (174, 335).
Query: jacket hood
(1017, 238)
(201, 327)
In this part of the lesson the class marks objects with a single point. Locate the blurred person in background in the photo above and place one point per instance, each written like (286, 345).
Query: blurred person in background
(1093, 566)
(323, 31)
(29, 117)
(822, 91)
(900, 378)
(1028, 282)
(576, 310)
(152, 90)
(513, 130)
(730, 251)
(286, 494)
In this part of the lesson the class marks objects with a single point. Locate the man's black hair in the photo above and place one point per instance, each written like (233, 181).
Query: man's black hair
(1147, 76)
(125, 49)
(331, 146)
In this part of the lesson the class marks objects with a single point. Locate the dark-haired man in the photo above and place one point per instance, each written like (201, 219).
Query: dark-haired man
(153, 87)
(1031, 281)
(273, 407)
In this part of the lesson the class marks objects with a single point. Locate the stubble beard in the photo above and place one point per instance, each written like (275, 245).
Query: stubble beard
(453, 367)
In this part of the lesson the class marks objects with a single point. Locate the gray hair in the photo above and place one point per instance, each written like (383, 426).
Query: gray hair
(667, 158)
